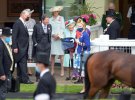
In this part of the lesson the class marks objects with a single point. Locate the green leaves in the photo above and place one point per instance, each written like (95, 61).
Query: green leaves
(84, 9)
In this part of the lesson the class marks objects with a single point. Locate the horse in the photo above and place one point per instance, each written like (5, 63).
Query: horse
(103, 68)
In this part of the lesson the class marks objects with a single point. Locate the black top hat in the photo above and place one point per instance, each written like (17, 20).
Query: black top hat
(43, 57)
(6, 31)
(110, 13)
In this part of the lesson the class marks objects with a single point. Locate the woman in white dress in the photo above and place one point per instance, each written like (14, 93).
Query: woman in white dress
(58, 27)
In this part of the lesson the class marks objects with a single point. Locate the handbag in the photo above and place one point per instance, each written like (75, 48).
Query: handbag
(68, 43)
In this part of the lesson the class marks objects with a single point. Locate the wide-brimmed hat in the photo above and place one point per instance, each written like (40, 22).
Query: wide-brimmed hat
(81, 18)
(56, 8)
(28, 10)
(110, 13)
(42, 57)
(6, 31)
(69, 22)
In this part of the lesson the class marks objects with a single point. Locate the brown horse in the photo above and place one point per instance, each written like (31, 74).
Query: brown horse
(103, 68)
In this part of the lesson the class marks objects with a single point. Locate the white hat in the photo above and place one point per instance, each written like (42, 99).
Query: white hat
(42, 97)
(69, 22)
(56, 8)
(28, 10)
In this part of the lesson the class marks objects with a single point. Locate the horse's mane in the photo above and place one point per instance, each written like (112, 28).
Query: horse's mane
(89, 56)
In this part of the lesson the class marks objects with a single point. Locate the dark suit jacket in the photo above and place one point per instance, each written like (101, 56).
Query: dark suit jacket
(5, 60)
(113, 30)
(118, 18)
(42, 39)
(20, 39)
(47, 85)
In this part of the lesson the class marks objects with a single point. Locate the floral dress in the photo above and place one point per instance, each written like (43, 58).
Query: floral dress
(82, 52)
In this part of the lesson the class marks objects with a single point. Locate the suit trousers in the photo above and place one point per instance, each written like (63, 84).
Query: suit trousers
(22, 69)
(131, 34)
(3, 90)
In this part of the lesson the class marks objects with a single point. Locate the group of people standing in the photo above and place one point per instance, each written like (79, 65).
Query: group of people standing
(47, 43)
(15, 53)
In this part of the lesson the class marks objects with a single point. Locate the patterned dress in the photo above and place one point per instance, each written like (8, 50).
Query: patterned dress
(30, 25)
(83, 50)
(58, 27)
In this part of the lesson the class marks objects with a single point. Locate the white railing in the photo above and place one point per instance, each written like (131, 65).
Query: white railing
(103, 43)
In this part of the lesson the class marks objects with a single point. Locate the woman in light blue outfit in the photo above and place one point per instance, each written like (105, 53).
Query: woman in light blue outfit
(58, 27)
(70, 32)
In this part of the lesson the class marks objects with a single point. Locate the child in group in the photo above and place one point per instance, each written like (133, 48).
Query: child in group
(83, 47)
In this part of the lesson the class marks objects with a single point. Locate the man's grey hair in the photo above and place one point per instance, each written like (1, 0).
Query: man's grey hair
(25, 11)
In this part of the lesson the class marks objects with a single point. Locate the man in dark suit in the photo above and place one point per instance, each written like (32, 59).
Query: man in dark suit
(6, 61)
(20, 40)
(42, 37)
(118, 16)
(113, 28)
(47, 83)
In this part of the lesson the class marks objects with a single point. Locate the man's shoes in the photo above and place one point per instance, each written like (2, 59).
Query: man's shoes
(28, 82)
(78, 81)
(30, 74)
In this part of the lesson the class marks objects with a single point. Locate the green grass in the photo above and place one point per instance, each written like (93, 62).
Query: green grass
(73, 88)
(27, 88)
(19, 99)
(59, 89)
(68, 88)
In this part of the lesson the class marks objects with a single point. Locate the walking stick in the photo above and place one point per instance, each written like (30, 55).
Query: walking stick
(69, 77)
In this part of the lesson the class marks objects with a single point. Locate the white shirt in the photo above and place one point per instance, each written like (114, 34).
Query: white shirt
(108, 25)
(22, 21)
(44, 27)
(43, 72)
